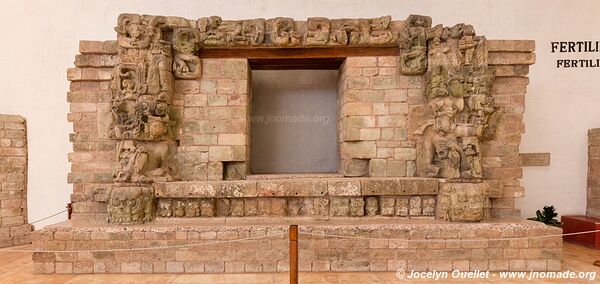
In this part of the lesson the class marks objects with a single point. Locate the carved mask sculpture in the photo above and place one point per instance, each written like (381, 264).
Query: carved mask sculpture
(467, 204)
(165, 208)
(131, 205)
(371, 206)
(178, 208)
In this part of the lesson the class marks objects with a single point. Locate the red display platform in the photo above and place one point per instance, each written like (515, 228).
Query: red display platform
(573, 224)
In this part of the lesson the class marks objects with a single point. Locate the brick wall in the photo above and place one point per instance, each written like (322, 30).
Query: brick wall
(14, 229)
(510, 60)
(214, 140)
(94, 153)
(373, 106)
(443, 252)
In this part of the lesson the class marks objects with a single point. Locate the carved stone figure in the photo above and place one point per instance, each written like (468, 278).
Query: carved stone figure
(216, 32)
(428, 203)
(131, 205)
(317, 31)
(415, 208)
(283, 32)
(294, 207)
(192, 208)
(371, 206)
(458, 93)
(186, 42)
(381, 32)
(179, 208)
(140, 93)
(144, 162)
(471, 163)
(463, 202)
(413, 45)
(137, 31)
(165, 208)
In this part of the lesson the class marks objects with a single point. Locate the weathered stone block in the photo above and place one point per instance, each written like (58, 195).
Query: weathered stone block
(343, 187)
(359, 150)
(399, 186)
(356, 167)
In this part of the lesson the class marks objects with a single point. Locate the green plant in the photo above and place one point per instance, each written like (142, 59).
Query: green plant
(547, 216)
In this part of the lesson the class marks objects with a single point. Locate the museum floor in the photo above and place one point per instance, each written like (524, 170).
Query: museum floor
(16, 268)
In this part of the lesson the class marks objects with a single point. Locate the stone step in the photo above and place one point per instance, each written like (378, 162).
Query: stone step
(293, 176)
(298, 187)
(224, 245)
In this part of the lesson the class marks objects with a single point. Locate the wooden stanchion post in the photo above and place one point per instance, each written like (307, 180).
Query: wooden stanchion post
(293, 254)
(69, 210)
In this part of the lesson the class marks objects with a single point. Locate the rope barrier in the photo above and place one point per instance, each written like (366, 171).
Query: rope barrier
(138, 249)
(48, 217)
(449, 240)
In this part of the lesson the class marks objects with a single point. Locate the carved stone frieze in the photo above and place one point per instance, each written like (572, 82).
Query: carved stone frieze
(413, 45)
(215, 32)
(131, 205)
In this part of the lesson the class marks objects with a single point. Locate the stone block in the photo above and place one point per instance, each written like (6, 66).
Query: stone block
(377, 167)
(399, 186)
(292, 187)
(343, 187)
(340, 206)
(357, 206)
(356, 167)
(510, 45)
(359, 150)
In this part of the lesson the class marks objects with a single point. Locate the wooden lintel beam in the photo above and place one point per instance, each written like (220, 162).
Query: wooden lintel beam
(298, 53)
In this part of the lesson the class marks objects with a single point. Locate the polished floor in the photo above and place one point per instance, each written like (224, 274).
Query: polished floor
(16, 268)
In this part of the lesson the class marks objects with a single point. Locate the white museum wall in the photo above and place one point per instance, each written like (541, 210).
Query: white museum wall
(40, 40)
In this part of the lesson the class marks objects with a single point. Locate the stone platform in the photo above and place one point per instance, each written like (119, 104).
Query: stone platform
(367, 247)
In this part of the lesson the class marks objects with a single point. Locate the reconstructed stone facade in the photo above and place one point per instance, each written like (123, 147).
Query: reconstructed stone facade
(162, 133)
(593, 181)
(14, 229)
(452, 246)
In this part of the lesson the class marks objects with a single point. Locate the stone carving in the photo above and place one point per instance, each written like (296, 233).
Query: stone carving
(186, 42)
(371, 206)
(317, 31)
(216, 32)
(165, 208)
(282, 32)
(178, 208)
(463, 202)
(285, 32)
(131, 205)
(376, 31)
(458, 94)
(144, 162)
(413, 45)
(141, 89)
(138, 31)
(192, 208)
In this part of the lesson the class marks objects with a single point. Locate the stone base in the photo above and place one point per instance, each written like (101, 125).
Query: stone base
(574, 224)
(317, 253)
(15, 236)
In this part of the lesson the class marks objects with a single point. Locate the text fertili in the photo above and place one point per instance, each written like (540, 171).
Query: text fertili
(576, 47)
